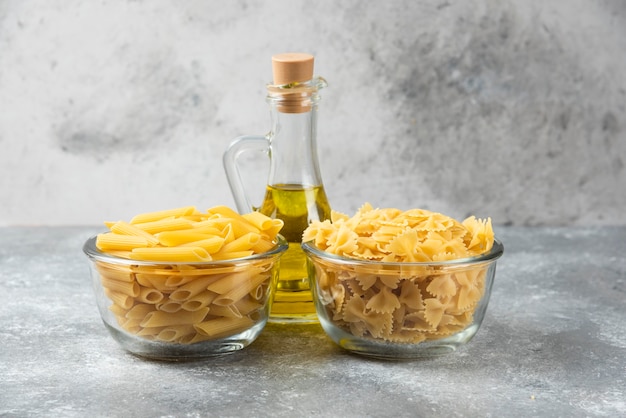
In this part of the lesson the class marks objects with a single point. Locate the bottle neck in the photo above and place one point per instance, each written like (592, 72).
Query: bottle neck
(293, 146)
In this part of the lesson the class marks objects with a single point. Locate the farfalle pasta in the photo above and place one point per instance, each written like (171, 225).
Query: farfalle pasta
(391, 235)
(404, 291)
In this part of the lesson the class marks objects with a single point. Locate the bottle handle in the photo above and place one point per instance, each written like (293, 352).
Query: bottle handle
(237, 147)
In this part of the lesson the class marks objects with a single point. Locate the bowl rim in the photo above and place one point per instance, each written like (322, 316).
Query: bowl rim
(90, 249)
(493, 254)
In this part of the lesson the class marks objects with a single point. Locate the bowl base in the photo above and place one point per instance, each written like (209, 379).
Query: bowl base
(383, 350)
(156, 350)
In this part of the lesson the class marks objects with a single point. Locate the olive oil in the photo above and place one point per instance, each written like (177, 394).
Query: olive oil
(297, 206)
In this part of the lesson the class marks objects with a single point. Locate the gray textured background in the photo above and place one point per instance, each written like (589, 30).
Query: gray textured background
(514, 110)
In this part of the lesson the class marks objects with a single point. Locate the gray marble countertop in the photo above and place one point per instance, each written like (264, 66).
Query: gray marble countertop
(553, 343)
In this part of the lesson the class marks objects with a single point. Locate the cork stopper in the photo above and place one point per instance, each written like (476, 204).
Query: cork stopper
(292, 68)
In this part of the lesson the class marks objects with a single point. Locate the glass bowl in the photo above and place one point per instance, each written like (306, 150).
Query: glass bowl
(400, 310)
(184, 310)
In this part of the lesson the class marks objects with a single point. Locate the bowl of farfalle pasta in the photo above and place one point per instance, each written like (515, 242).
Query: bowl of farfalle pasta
(181, 284)
(397, 284)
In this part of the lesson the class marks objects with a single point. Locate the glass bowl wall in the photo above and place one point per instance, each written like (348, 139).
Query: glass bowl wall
(400, 310)
(183, 311)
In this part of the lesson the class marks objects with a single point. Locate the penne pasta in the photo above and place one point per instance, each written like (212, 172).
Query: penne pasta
(237, 292)
(139, 311)
(144, 280)
(259, 220)
(228, 311)
(194, 287)
(132, 330)
(175, 281)
(277, 225)
(208, 228)
(220, 231)
(258, 292)
(174, 333)
(170, 254)
(169, 306)
(124, 228)
(228, 282)
(111, 271)
(247, 305)
(161, 319)
(130, 323)
(174, 238)
(118, 253)
(228, 233)
(239, 224)
(155, 281)
(194, 338)
(231, 255)
(127, 288)
(221, 326)
(115, 272)
(111, 241)
(199, 301)
(262, 246)
(118, 310)
(243, 243)
(224, 211)
(149, 295)
(211, 245)
(195, 217)
(169, 294)
(167, 224)
(150, 332)
(162, 214)
(123, 301)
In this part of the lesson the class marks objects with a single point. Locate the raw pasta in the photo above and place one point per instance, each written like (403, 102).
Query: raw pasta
(391, 235)
(185, 234)
(223, 326)
(180, 301)
(409, 304)
(171, 313)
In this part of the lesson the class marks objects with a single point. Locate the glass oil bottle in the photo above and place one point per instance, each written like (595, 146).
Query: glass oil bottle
(294, 191)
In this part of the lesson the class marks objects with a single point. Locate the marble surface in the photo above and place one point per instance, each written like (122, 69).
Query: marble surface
(514, 110)
(553, 344)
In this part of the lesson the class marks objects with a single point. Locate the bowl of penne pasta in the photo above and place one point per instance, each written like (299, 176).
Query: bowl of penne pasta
(395, 284)
(181, 284)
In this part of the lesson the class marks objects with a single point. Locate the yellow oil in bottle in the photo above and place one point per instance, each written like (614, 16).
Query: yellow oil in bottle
(297, 206)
